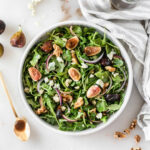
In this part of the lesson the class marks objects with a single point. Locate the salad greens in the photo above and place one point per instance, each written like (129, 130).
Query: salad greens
(75, 79)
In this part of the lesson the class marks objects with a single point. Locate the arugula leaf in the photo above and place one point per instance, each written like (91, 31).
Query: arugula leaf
(67, 55)
(113, 107)
(35, 59)
(77, 30)
(101, 106)
(59, 41)
(104, 119)
(103, 75)
(50, 106)
(117, 62)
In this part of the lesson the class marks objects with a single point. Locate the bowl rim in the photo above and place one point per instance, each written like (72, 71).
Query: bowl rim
(123, 53)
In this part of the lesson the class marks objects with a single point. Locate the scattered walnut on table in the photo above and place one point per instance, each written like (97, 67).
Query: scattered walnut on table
(127, 131)
(137, 138)
(133, 124)
(119, 135)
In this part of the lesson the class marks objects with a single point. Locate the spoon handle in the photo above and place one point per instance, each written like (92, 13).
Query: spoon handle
(8, 96)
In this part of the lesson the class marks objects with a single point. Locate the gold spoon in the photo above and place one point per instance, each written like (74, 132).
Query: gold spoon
(21, 126)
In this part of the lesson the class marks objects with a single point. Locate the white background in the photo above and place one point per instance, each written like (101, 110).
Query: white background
(15, 12)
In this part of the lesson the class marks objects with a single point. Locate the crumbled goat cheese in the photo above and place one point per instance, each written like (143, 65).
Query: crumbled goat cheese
(51, 66)
(110, 55)
(59, 59)
(94, 102)
(32, 6)
(26, 89)
(51, 83)
(56, 86)
(99, 116)
(67, 82)
(56, 98)
(77, 87)
(83, 65)
(91, 76)
(41, 91)
(46, 79)
(100, 82)
(63, 108)
(115, 74)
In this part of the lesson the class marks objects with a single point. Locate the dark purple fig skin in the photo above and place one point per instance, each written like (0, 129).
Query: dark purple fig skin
(2, 26)
(59, 112)
(112, 97)
(105, 61)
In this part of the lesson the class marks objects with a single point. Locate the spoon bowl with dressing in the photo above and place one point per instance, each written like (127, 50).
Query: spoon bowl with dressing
(21, 126)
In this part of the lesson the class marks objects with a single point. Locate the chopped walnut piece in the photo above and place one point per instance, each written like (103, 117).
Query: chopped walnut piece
(137, 148)
(137, 138)
(79, 102)
(74, 58)
(67, 98)
(110, 69)
(93, 110)
(133, 124)
(42, 109)
(57, 50)
(127, 131)
(119, 135)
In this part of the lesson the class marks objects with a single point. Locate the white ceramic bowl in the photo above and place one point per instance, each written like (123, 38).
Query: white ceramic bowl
(101, 30)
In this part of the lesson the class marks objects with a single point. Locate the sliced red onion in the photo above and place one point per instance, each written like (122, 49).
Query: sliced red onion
(60, 97)
(69, 120)
(47, 61)
(93, 61)
(38, 85)
(110, 85)
(123, 84)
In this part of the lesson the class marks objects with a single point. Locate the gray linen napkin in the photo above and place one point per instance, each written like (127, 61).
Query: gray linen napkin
(132, 28)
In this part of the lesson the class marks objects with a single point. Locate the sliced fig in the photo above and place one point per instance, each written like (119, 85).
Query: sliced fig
(34, 73)
(74, 74)
(92, 50)
(72, 43)
(93, 91)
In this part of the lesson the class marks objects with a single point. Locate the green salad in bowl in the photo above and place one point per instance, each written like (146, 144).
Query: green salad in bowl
(75, 78)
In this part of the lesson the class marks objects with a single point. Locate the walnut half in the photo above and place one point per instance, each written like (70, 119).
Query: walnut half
(119, 135)
(133, 125)
(137, 138)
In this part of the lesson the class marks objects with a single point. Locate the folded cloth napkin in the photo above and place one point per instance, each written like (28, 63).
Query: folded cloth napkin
(132, 28)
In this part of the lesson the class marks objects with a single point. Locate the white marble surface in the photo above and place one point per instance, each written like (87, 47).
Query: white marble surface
(14, 13)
